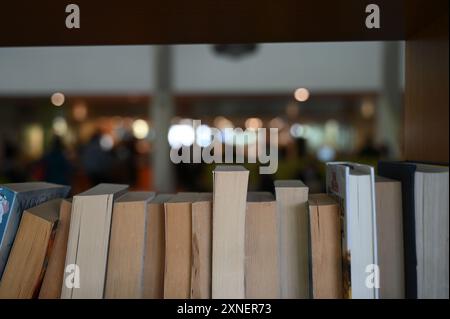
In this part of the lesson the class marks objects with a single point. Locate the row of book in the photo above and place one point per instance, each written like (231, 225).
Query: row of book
(369, 237)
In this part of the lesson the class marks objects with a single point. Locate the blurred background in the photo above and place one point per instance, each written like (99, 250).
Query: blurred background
(84, 115)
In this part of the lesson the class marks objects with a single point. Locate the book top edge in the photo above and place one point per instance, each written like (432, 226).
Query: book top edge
(255, 197)
(48, 210)
(136, 197)
(412, 167)
(382, 179)
(230, 168)
(31, 186)
(104, 189)
(188, 197)
(161, 198)
(204, 197)
(321, 200)
(289, 183)
(431, 169)
(183, 197)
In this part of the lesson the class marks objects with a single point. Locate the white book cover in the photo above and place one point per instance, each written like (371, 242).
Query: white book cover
(353, 186)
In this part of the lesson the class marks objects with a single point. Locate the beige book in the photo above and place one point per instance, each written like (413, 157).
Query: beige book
(125, 271)
(388, 194)
(261, 247)
(178, 228)
(201, 247)
(154, 257)
(292, 205)
(228, 253)
(87, 247)
(326, 252)
(53, 278)
(30, 251)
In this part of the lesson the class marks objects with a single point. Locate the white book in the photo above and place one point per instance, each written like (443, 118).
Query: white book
(431, 193)
(353, 185)
(228, 232)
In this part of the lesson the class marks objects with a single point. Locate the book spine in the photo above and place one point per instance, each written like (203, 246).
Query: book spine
(9, 205)
(48, 252)
(374, 226)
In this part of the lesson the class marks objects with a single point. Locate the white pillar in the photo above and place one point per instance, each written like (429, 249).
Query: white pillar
(162, 110)
(389, 108)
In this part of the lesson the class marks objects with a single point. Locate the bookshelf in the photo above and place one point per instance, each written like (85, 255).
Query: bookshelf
(423, 25)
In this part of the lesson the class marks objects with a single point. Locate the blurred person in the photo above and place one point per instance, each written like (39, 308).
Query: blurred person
(369, 149)
(385, 151)
(126, 155)
(56, 167)
(11, 166)
(296, 163)
(188, 175)
(96, 162)
(309, 171)
(370, 153)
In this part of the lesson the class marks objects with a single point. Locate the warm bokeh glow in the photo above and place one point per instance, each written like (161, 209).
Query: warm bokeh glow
(301, 94)
(57, 99)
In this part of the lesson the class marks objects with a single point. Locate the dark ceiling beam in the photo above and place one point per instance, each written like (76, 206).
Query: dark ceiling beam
(106, 22)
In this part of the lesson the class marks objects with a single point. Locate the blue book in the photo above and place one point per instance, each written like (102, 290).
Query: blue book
(14, 199)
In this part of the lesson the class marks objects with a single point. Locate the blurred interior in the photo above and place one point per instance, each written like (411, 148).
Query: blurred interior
(84, 115)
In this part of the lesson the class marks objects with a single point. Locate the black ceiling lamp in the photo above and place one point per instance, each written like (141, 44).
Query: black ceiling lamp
(235, 51)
